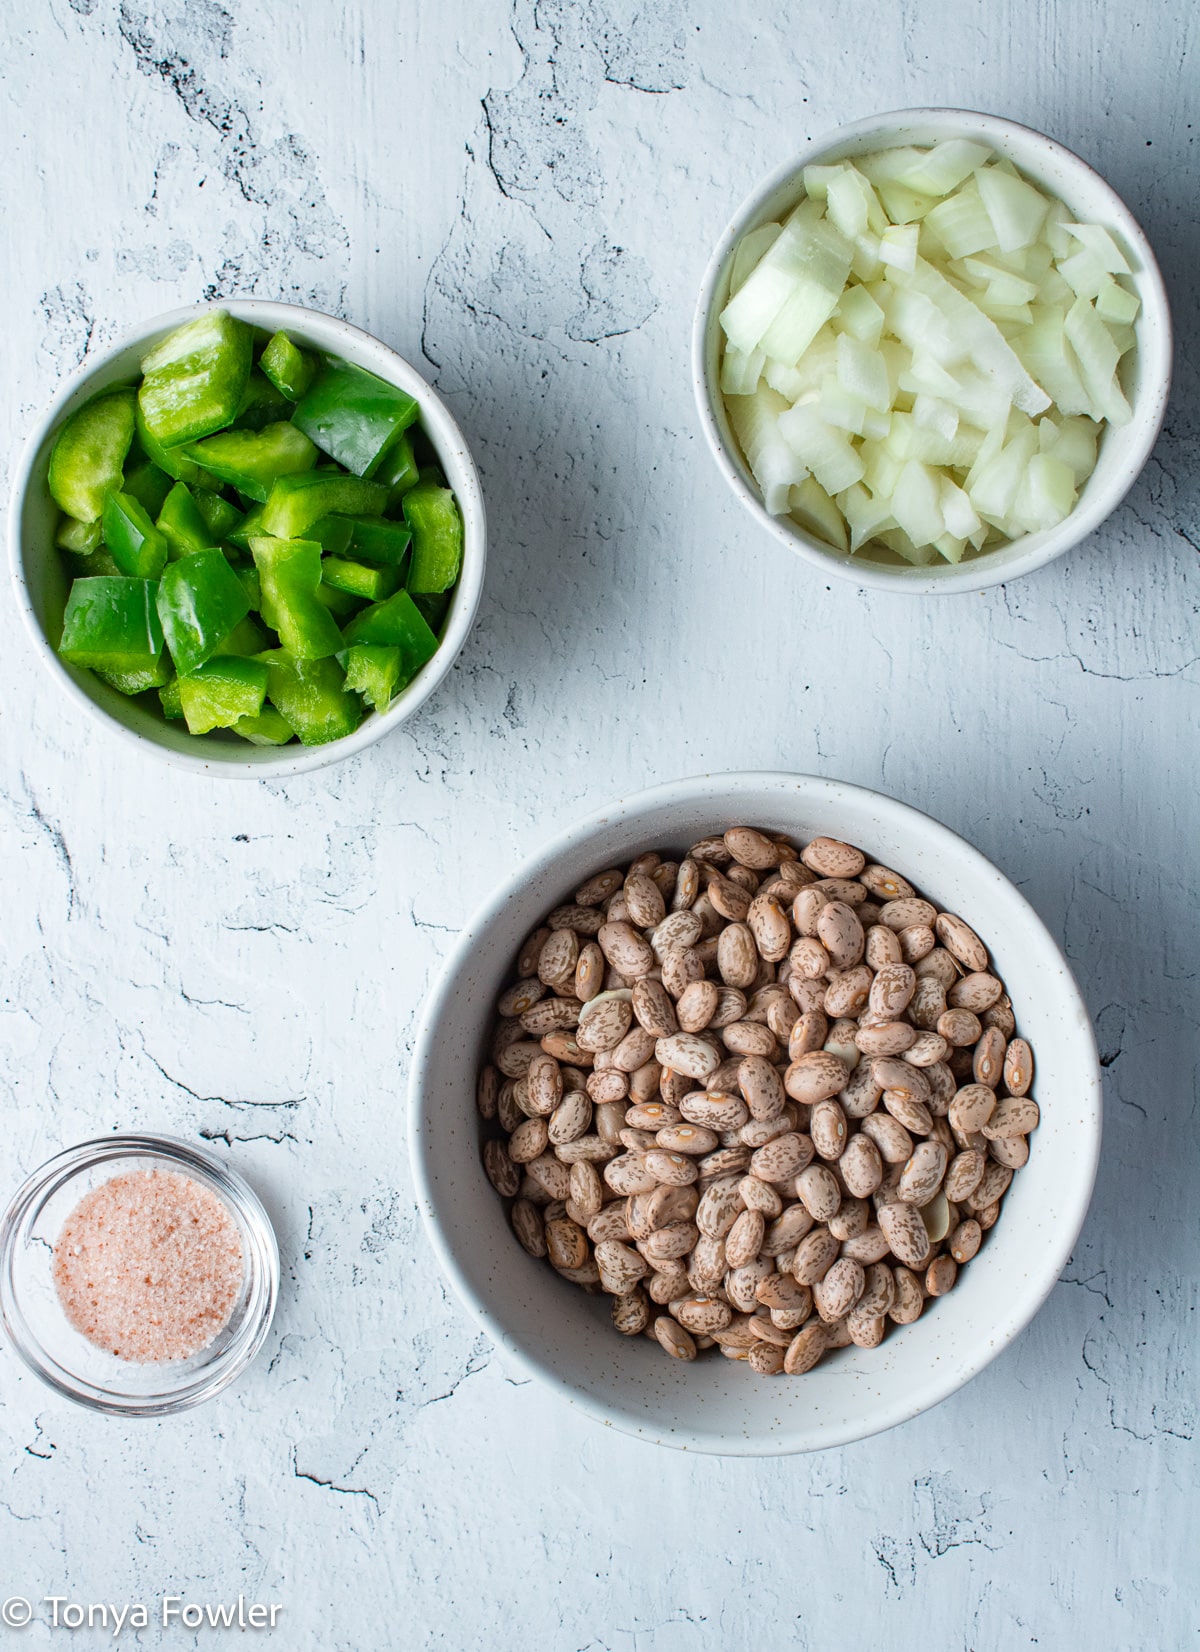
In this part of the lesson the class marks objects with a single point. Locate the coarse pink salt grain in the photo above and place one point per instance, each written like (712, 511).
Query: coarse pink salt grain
(149, 1265)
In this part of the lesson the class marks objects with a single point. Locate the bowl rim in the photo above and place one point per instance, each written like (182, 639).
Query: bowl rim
(290, 760)
(262, 1264)
(1021, 556)
(715, 789)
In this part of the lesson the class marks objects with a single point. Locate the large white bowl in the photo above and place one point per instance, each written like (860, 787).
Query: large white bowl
(41, 584)
(553, 1331)
(1146, 378)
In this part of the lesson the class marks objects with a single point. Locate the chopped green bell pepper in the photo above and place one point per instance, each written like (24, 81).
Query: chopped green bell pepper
(252, 460)
(138, 680)
(332, 534)
(397, 470)
(194, 380)
(245, 530)
(82, 538)
(170, 461)
(200, 600)
(251, 584)
(289, 369)
(341, 603)
(269, 728)
(434, 610)
(220, 517)
(111, 623)
(262, 404)
(432, 514)
(149, 485)
(359, 579)
(220, 692)
(296, 502)
(171, 703)
(373, 672)
(96, 563)
(247, 637)
(182, 522)
(395, 623)
(289, 571)
(89, 453)
(311, 695)
(352, 415)
(136, 545)
(375, 539)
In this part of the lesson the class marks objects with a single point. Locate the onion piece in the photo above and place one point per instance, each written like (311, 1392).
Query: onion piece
(923, 354)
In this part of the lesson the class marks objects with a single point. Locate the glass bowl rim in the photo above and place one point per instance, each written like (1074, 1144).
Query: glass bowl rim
(262, 1262)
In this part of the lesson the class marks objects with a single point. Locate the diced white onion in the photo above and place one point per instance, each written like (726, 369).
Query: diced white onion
(922, 356)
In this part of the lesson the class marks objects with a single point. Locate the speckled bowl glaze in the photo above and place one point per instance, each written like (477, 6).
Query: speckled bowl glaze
(553, 1331)
(1146, 378)
(41, 584)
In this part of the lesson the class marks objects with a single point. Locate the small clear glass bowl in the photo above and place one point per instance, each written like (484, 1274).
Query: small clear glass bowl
(47, 1341)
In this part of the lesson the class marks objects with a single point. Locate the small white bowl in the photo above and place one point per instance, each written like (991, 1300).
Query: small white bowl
(557, 1333)
(1146, 378)
(41, 584)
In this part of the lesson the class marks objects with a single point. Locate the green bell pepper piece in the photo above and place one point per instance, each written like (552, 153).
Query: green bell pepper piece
(82, 538)
(262, 404)
(375, 539)
(352, 415)
(89, 453)
(296, 502)
(245, 530)
(434, 610)
(220, 692)
(252, 460)
(432, 514)
(247, 637)
(332, 534)
(170, 461)
(395, 623)
(397, 470)
(251, 584)
(341, 603)
(359, 579)
(220, 516)
(136, 681)
(200, 600)
(171, 703)
(269, 728)
(373, 672)
(149, 485)
(194, 380)
(112, 622)
(97, 563)
(287, 366)
(137, 546)
(311, 695)
(289, 571)
(180, 520)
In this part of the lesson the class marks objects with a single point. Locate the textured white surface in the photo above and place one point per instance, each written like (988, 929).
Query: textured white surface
(528, 196)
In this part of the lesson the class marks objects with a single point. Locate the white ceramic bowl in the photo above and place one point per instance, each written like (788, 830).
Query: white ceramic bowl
(40, 580)
(1146, 373)
(553, 1331)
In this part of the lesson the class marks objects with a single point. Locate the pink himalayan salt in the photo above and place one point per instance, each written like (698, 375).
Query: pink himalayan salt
(149, 1265)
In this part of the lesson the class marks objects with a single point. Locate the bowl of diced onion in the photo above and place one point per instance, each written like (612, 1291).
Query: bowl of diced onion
(933, 352)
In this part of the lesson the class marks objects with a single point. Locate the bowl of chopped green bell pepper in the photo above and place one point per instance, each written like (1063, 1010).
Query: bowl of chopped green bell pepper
(249, 538)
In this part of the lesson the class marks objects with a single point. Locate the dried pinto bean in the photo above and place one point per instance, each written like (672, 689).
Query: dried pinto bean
(783, 1098)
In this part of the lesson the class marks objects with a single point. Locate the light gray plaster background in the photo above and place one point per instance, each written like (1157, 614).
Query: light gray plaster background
(523, 198)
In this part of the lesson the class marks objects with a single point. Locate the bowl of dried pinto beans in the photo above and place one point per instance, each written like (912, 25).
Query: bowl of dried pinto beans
(755, 1114)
